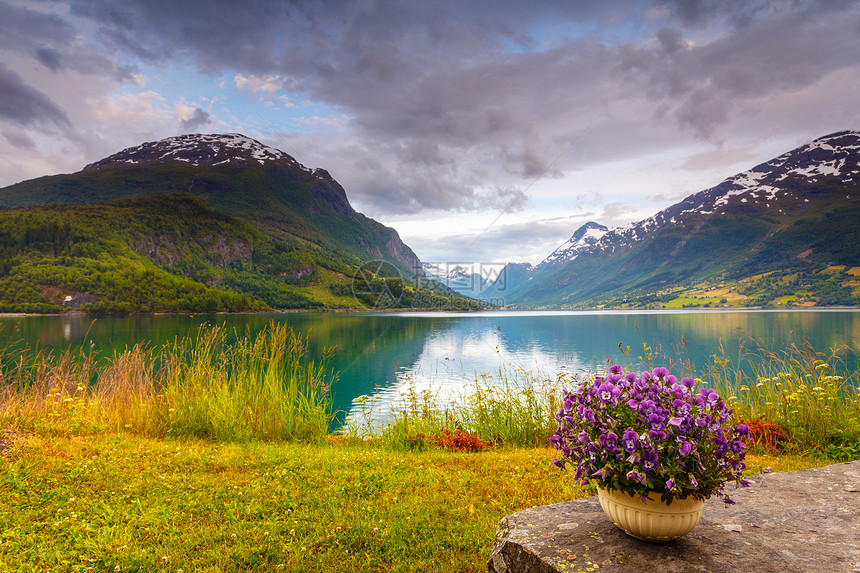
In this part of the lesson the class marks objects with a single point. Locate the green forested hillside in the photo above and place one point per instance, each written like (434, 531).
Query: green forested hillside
(167, 253)
(195, 223)
(287, 202)
(783, 233)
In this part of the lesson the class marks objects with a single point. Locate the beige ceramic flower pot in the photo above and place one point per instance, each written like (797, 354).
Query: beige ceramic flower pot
(654, 520)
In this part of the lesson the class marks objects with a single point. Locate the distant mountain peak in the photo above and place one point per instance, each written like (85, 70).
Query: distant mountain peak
(583, 240)
(831, 159)
(199, 149)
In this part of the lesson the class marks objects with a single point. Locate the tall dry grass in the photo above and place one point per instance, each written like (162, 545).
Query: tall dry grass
(264, 387)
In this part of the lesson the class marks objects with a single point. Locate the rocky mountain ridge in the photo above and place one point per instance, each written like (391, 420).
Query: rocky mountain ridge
(832, 156)
(800, 206)
(283, 234)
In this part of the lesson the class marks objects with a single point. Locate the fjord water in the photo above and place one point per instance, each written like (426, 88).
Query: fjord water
(386, 353)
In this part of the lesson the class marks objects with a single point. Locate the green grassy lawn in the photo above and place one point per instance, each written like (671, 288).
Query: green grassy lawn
(211, 457)
(117, 502)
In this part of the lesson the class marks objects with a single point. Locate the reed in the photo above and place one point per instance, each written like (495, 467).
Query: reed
(807, 398)
(514, 407)
(265, 387)
(226, 387)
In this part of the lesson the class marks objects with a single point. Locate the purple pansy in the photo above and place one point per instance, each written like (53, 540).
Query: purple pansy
(677, 434)
(609, 441)
(630, 440)
(660, 372)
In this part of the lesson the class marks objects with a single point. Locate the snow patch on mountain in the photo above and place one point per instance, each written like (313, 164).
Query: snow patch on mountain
(212, 149)
(583, 240)
(833, 158)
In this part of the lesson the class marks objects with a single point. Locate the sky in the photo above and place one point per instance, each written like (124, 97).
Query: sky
(483, 131)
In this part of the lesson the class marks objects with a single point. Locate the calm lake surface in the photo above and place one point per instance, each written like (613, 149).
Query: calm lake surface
(386, 353)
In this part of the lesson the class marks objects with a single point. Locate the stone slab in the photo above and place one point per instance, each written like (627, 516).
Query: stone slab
(790, 522)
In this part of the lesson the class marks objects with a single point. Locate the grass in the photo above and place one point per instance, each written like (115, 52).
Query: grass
(119, 502)
(208, 456)
(511, 408)
(809, 400)
(266, 387)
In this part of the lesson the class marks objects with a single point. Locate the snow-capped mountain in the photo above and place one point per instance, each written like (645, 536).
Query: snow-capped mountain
(240, 177)
(803, 205)
(462, 278)
(583, 240)
(198, 149)
(833, 159)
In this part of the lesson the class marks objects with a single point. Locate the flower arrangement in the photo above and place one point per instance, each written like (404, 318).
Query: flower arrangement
(650, 433)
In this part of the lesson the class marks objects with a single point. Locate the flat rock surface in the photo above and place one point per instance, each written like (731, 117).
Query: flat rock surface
(786, 522)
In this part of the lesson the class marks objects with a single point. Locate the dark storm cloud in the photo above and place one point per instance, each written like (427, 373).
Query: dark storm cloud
(49, 57)
(18, 139)
(24, 105)
(701, 86)
(457, 96)
(55, 43)
(198, 120)
(24, 29)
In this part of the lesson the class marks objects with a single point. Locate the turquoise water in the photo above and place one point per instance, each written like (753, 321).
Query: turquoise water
(385, 353)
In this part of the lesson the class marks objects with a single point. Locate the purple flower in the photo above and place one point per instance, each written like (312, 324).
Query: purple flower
(623, 425)
(593, 450)
(647, 407)
(630, 440)
(655, 422)
(649, 460)
(657, 435)
(609, 441)
(608, 392)
(682, 407)
(709, 396)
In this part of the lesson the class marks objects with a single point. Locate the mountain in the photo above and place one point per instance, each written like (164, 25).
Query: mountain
(511, 276)
(459, 278)
(783, 232)
(197, 222)
(238, 176)
(584, 240)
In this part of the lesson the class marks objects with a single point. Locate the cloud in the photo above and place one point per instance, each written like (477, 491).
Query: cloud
(269, 83)
(449, 105)
(49, 57)
(18, 139)
(529, 241)
(195, 121)
(134, 109)
(25, 105)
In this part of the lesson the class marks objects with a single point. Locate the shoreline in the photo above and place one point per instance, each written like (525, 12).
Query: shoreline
(458, 312)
